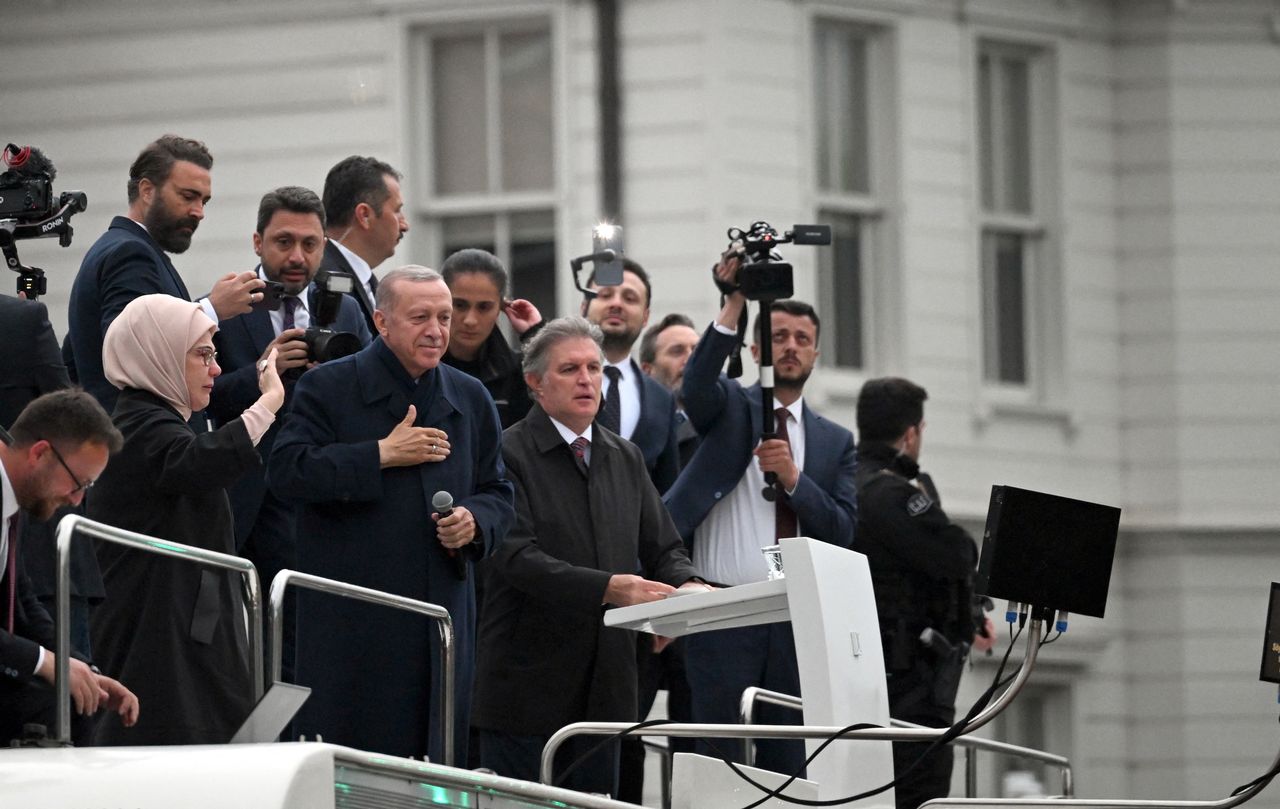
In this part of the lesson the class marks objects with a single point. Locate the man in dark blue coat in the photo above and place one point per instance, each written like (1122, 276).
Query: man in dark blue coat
(718, 508)
(290, 241)
(369, 439)
(169, 185)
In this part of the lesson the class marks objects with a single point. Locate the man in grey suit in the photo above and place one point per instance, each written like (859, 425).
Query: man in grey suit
(590, 533)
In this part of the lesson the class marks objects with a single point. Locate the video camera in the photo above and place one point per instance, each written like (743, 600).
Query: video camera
(764, 276)
(28, 211)
(323, 343)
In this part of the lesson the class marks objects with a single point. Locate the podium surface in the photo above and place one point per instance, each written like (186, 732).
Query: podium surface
(827, 596)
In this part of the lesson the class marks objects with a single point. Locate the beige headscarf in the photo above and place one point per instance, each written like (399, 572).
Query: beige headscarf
(146, 347)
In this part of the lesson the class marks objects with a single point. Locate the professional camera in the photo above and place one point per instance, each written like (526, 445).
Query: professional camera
(764, 276)
(28, 211)
(323, 343)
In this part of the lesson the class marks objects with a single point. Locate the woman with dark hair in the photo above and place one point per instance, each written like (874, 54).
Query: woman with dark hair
(478, 282)
(175, 631)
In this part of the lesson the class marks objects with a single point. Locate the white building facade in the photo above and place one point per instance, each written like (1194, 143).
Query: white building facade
(1056, 215)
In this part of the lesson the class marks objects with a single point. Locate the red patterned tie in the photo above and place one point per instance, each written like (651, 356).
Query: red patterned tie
(785, 518)
(579, 447)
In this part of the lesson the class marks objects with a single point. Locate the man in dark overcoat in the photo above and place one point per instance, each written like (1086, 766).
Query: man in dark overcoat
(590, 532)
(368, 442)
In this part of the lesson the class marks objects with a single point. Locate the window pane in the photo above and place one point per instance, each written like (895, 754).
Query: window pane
(986, 134)
(459, 232)
(1015, 108)
(526, 112)
(458, 115)
(533, 259)
(1005, 296)
(841, 287)
(842, 108)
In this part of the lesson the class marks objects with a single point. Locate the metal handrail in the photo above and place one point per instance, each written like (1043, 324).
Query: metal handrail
(800, 731)
(753, 695)
(1103, 803)
(340, 588)
(68, 527)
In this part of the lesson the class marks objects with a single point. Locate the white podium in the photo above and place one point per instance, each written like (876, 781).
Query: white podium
(827, 597)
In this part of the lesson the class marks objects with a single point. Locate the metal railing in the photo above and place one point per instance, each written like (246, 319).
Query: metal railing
(1034, 633)
(753, 695)
(75, 524)
(438, 614)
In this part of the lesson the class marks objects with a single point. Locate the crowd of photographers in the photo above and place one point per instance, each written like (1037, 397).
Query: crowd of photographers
(380, 429)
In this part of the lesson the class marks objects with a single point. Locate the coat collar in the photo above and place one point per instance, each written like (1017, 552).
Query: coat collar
(382, 378)
(546, 437)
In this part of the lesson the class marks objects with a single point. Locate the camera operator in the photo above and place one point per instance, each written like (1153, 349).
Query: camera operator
(169, 185)
(718, 508)
(290, 243)
(922, 568)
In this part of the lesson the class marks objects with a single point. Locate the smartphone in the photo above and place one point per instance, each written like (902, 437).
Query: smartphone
(272, 295)
(608, 237)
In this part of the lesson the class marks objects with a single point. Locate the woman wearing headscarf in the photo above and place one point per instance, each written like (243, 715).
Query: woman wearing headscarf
(173, 629)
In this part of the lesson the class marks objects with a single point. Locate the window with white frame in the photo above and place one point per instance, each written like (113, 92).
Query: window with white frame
(850, 125)
(1015, 180)
(486, 130)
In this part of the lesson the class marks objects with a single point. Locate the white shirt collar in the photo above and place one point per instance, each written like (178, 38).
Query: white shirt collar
(358, 265)
(569, 435)
(796, 408)
(10, 499)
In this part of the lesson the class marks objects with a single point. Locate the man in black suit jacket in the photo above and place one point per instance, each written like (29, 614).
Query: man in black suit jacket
(36, 477)
(169, 185)
(24, 375)
(645, 410)
(366, 221)
(587, 522)
(290, 242)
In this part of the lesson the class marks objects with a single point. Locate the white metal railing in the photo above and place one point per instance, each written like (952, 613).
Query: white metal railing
(73, 525)
(438, 614)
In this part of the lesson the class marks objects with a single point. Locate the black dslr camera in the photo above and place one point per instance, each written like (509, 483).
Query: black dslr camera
(29, 210)
(764, 276)
(323, 343)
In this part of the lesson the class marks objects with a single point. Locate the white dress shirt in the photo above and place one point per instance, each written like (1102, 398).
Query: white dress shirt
(359, 266)
(570, 436)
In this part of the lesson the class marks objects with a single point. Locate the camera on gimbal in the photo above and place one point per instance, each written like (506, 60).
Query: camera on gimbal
(323, 343)
(28, 210)
(764, 276)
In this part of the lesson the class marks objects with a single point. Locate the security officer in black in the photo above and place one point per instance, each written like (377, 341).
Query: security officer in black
(922, 567)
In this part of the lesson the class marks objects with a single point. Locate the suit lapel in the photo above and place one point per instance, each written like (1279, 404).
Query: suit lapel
(261, 332)
(126, 224)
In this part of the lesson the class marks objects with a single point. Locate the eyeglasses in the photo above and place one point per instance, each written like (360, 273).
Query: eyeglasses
(80, 487)
(207, 355)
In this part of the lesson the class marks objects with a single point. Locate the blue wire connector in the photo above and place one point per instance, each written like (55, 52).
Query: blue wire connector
(1011, 612)
(1061, 624)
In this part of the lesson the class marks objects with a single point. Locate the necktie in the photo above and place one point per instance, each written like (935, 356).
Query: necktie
(579, 447)
(291, 304)
(785, 518)
(12, 570)
(611, 412)
(373, 283)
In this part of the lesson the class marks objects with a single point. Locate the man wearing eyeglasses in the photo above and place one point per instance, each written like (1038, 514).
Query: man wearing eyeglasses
(57, 448)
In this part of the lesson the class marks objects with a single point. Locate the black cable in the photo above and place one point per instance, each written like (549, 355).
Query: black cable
(952, 733)
(612, 737)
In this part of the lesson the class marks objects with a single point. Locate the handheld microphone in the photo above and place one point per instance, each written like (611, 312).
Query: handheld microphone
(442, 502)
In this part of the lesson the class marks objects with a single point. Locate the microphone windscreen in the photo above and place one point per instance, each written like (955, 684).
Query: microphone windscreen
(442, 501)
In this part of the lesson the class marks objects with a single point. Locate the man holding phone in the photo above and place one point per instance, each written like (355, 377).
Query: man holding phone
(289, 240)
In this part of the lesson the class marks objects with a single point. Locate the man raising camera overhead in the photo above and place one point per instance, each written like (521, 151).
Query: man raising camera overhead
(289, 240)
(718, 507)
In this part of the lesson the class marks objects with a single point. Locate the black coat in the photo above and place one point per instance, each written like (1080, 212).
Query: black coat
(172, 630)
(498, 369)
(31, 367)
(545, 657)
(373, 670)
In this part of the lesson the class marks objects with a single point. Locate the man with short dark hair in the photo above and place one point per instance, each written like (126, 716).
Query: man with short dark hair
(634, 406)
(169, 186)
(590, 532)
(60, 445)
(289, 241)
(664, 350)
(369, 440)
(366, 221)
(718, 507)
(922, 568)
